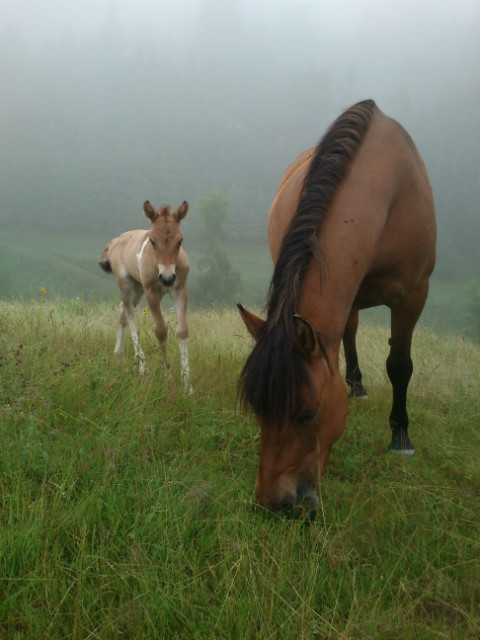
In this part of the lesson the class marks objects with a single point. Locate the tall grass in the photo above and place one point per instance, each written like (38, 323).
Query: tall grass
(126, 507)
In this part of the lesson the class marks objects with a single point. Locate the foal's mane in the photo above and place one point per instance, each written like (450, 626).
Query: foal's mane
(275, 371)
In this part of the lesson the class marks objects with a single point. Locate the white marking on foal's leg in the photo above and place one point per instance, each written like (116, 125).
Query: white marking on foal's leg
(185, 365)
(118, 351)
(139, 353)
(122, 324)
(136, 343)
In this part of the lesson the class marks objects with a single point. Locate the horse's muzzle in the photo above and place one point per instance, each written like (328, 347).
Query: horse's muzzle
(167, 281)
(304, 503)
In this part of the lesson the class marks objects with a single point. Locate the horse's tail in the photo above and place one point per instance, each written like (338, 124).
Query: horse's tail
(105, 262)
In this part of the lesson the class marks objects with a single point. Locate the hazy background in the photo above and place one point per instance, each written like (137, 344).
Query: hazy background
(107, 104)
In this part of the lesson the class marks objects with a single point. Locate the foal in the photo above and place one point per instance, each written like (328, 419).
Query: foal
(152, 262)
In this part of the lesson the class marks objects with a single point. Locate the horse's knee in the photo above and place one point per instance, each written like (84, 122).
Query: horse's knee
(399, 369)
(161, 334)
(181, 332)
(122, 315)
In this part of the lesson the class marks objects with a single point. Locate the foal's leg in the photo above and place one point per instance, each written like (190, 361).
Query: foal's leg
(180, 299)
(153, 300)
(130, 292)
(136, 342)
(354, 375)
(118, 351)
(404, 317)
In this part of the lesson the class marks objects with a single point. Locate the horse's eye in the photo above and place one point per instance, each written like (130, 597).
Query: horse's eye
(180, 242)
(307, 416)
(153, 243)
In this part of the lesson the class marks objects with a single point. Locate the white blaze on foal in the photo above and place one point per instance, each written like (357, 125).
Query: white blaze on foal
(152, 263)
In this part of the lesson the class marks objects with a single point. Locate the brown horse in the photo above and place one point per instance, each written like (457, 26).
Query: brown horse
(152, 262)
(352, 226)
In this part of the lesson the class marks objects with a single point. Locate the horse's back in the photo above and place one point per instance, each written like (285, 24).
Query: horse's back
(395, 204)
(286, 200)
(380, 223)
(121, 253)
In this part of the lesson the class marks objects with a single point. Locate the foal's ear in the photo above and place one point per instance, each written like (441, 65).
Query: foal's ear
(305, 338)
(181, 212)
(253, 323)
(149, 211)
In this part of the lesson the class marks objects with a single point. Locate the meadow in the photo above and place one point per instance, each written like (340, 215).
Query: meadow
(66, 265)
(126, 507)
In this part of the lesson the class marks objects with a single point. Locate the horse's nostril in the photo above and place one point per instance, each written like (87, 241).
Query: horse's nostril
(167, 281)
(287, 502)
(307, 496)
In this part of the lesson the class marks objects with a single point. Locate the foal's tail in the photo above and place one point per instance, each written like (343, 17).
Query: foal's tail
(105, 262)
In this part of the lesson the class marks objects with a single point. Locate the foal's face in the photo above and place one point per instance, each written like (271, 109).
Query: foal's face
(293, 455)
(166, 238)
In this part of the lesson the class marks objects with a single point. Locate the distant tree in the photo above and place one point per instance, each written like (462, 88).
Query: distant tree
(213, 211)
(217, 281)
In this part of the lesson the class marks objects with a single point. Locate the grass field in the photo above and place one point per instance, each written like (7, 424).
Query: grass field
(127, 511)
(67, 266)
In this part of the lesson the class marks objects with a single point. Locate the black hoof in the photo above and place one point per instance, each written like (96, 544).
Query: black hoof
(357, 390)
(401, 445)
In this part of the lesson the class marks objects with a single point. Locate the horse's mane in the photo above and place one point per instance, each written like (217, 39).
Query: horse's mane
(275, 371)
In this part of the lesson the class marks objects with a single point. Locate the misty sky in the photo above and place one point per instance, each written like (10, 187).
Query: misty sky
(106, 103)
(254, 66)
(387, 41)
(38, 19)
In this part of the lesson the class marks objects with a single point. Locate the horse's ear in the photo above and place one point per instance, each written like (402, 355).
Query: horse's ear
(253, 323)
(181, 212)
(305, 338)
(149, 211)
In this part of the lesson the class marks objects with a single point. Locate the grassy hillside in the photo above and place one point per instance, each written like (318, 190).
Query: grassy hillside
(68, 267)
(127, 512)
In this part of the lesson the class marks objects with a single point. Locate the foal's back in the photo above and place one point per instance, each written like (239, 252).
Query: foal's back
(121, 254)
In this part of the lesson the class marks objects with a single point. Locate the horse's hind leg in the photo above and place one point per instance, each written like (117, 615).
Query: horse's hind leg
(404, 317)
(140, 356)
(118, 351)
(131, 292)
(353, 374)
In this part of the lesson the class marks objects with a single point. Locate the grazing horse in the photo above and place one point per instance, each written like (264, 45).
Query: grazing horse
(352, 226)
(152, 262)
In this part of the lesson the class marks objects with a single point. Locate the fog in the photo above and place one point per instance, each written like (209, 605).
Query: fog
(107, 104)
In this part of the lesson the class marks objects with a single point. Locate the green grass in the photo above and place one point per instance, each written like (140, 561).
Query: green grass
(68, 267)
(126, 508)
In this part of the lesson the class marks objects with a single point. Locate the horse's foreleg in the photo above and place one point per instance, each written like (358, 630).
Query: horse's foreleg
(404, 317)
(160, 327)
(180, 301)
(353, 374)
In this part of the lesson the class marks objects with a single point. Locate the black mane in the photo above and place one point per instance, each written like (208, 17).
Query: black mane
(275, 371)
